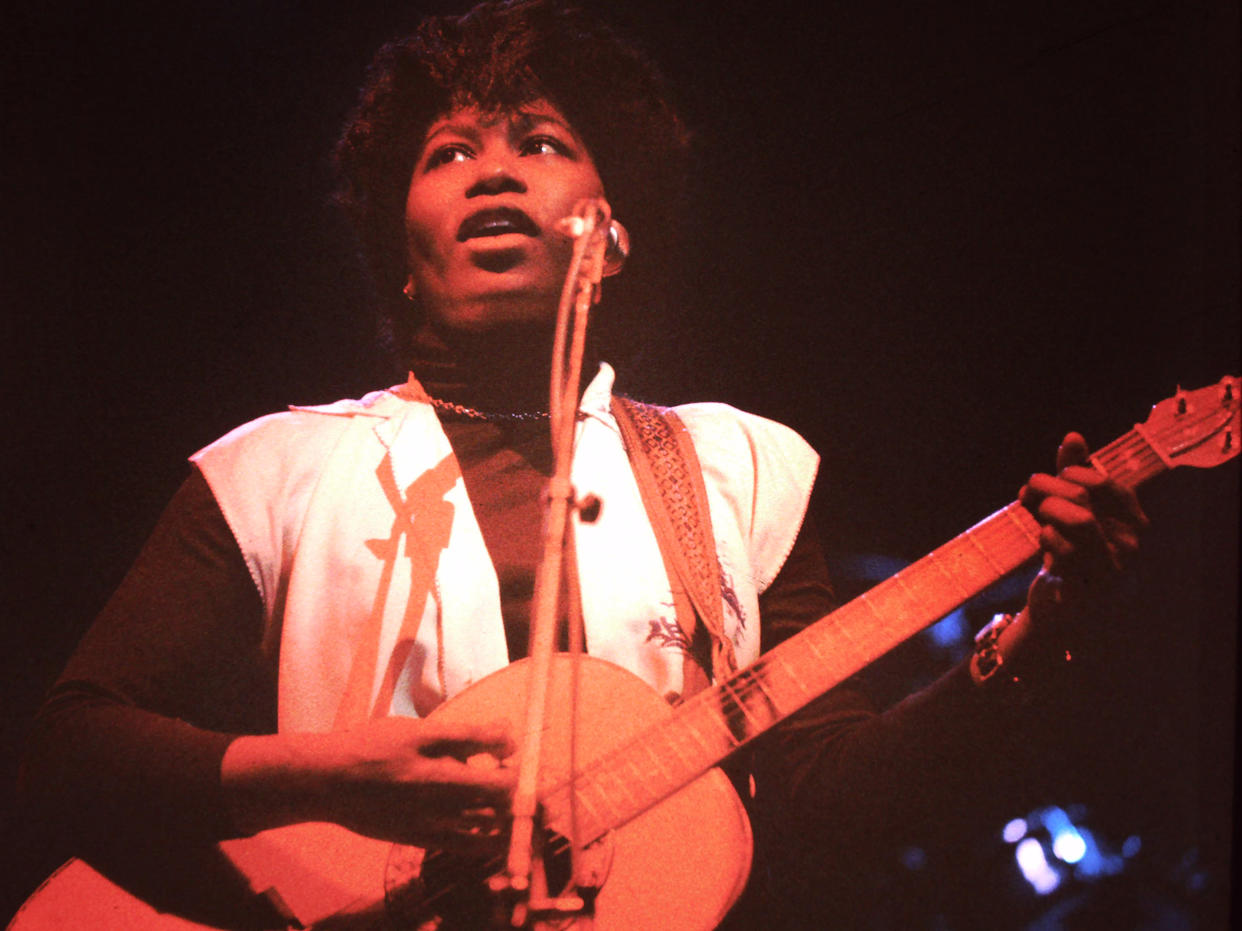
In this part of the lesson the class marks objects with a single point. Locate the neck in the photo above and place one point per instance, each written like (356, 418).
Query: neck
(502, 369)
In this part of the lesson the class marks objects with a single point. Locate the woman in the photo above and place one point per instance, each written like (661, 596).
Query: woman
(328, 576)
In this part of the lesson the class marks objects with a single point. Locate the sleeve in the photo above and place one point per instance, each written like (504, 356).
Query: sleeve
(841, 785)
(130, 739)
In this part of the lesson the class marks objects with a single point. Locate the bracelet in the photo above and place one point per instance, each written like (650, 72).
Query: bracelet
(987, 658)
(991, 656)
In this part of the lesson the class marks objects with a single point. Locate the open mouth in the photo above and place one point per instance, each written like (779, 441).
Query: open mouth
(496, 221)
(498, 260)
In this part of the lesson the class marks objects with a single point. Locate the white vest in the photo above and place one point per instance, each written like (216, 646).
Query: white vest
(377, 587)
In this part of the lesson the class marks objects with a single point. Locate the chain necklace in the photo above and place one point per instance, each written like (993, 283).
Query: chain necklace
(469, 413)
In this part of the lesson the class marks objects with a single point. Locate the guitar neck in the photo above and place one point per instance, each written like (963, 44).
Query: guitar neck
(715, 722)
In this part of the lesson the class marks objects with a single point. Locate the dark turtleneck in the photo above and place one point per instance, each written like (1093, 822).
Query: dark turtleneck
(505, 463)
(501, 371)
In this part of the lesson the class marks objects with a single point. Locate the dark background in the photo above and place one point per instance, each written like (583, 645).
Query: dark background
(930, 237)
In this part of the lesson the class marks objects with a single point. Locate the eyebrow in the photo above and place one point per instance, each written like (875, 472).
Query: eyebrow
(522, 121)
(452, 128)
(525, 120)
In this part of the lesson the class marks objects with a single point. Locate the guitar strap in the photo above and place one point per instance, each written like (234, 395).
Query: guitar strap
(670, 483)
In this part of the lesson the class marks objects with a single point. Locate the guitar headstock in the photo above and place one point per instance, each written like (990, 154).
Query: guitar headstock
(1197, 428)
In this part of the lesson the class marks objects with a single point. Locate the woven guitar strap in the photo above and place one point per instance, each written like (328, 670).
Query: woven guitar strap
(670, 482)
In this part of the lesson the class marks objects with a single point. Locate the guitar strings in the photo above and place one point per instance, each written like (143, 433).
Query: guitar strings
(736, 695)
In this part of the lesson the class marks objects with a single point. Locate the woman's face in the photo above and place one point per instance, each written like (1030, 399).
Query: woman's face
(481, 213)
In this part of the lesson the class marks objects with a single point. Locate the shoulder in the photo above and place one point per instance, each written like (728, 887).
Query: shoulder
(273, 462)
(732, 436)
(762, 473)
(713, 418)
(264, 473)
(295, 435)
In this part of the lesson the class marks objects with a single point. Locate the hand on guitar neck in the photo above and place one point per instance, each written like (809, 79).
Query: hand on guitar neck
(1090, 527)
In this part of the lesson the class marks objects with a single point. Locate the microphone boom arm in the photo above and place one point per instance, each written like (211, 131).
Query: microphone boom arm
(590, 226)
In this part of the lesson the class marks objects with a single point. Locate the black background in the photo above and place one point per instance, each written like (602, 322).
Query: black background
(930, 237)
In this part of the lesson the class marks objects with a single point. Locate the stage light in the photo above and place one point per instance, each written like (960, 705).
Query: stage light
(1035, 867)
(1014, 831)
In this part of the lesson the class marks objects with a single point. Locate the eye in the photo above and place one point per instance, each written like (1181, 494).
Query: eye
(546, 145)
(453, 152)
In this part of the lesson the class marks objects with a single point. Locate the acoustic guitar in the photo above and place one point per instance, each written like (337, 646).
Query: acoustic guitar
(645, 791)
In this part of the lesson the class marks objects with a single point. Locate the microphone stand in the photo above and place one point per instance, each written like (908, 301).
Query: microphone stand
(523, 879)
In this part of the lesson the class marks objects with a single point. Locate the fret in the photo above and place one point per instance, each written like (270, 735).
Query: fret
(781, 692)
(715, 714)
(1023, 525)
(819, 667)
(997, 539)
(671, 741)
(970, 537)
(713, 745)
(700, 718)
(889, 610)
(935, 559)
(709, 751)
(613, 789)
(636, 788)
(788, 671)
(747, 714)
(626, 795)
(585, 829)
(584, 785)
(967, 561)
(810, 644)
(657, 771)
(865, 599)
(754, 677)
(577, 810)
(839, 629)
(916, 598)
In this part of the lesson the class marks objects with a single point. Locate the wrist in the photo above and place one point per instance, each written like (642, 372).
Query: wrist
(988, 662)
(1009, 651)
(276, 779)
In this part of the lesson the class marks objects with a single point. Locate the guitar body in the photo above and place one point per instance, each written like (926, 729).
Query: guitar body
(678, 866)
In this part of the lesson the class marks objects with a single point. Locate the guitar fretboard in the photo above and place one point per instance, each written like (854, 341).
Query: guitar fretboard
(715, 722)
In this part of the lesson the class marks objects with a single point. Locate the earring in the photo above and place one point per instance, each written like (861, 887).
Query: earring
(410, 291)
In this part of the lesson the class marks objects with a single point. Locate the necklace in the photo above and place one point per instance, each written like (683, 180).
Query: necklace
(469, 413)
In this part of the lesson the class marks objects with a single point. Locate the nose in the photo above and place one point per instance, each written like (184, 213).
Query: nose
(496, 177)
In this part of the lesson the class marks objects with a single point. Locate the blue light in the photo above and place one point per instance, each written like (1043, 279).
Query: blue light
(913, 858)
(1014, 831)
(950, 631)
(1068, 845)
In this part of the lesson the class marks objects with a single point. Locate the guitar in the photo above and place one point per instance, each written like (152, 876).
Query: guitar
(648, 791)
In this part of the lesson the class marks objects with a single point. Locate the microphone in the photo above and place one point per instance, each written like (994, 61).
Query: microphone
(617, 249)
(617, 243)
